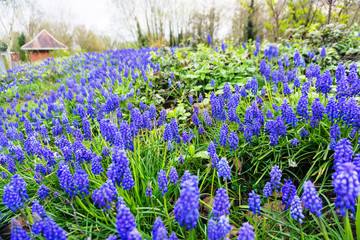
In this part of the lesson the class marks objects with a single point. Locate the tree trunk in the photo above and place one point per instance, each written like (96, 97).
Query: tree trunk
(4, 59)
(353, 19)
(309, 13)
(147, 25)
(8, 53)
(277, 28)
(329, 16)
(293, 11)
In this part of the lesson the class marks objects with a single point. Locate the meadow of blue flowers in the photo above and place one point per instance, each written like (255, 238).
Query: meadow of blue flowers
(269, 152)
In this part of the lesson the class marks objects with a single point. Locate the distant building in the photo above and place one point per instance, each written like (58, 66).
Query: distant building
(39, 48)
(15, 56)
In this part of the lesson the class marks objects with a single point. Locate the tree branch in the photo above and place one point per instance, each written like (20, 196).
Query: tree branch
(356, 12)
(72, 206)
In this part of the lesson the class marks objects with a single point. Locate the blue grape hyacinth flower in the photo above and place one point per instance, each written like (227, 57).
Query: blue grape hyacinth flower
(223, 227)
(125, 221)
(346, 187)
(267, 190)
(17, 232)
(163, 182)
(15, 193)
(294, 142)
(173, 175)
(224, 169)
(311, 199)
(296, 210)
(186, 208)
(246, 232)
(289, 191)
(323, 52)
(159, 231)
(233, 141)
(275, 175)
(254, 202)
(221, 203)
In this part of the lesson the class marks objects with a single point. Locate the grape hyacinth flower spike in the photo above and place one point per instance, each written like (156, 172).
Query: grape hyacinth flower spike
(254, 202)
(224, 169)
(275, 175)
(125, 221)
(186, 208)
(346, 187)
(296, 210)
(163, 182)
(311, 199)
(246, 232)
(323, 52)
(221, 203)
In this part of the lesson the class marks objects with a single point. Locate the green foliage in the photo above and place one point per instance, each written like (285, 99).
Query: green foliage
(63, 53)
(142, 39)
(193, 67)
(3, 46)
(342, 42)
(21, 41)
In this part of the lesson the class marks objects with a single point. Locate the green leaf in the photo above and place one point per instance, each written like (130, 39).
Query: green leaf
(202, 154)
(172, 114)
(180, 110)
(357, 221)
(191, 150)
(208, 87)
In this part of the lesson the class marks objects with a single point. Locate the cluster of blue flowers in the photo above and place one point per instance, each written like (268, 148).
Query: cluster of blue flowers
(311, 199)
(15, 193)
(346, 180)
(254, 202)
(186, 208)
(219, 224)
(90, 122)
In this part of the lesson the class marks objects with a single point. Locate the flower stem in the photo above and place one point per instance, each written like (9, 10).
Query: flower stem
(301, 232)
(167, 212)
(326, 237)
(276, 202)
(347, 228)
(152, 204)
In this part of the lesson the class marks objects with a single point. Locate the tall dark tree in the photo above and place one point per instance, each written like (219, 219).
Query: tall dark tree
(142, 40)
(250, 28)
(171, 37)
(21, 41)
(180, 37)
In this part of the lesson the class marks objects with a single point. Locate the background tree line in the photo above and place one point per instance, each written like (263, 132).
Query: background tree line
(171, 22)
(155, 23)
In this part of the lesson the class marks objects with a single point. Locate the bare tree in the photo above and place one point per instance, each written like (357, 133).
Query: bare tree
(88, 40)
(331, 3)
(276, 10)
(32, 20)
(356, 12)
(11, 12)
(109, 42)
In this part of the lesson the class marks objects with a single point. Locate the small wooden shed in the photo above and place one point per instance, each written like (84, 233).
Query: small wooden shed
(39, 48)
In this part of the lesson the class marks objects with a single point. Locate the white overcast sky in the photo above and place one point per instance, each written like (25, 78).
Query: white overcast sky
(95, 14)
(98, 15)
(101, 16)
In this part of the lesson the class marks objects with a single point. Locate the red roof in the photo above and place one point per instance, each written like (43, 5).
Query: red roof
(43, 41)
